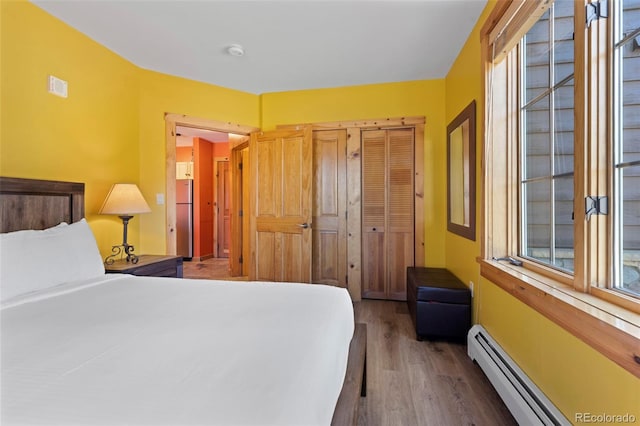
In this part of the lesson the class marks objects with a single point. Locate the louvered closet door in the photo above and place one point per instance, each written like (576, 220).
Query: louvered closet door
(387, 212)
(373, 214)
(400, 211)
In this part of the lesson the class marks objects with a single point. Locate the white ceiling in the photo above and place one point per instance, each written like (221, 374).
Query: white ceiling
(289, 44)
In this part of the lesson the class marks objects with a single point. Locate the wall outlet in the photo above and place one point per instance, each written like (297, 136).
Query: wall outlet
(471, 287)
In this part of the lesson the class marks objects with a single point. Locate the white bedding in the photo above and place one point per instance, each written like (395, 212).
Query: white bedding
(162, 351)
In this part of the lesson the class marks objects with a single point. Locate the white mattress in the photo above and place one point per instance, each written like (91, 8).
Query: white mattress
(163, 351)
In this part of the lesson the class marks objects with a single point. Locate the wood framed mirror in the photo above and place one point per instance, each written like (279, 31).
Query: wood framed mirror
(461, 173)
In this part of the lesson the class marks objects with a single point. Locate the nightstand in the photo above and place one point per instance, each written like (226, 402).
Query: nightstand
(148, 266)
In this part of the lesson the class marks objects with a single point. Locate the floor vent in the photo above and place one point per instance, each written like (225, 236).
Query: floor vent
(528, 405)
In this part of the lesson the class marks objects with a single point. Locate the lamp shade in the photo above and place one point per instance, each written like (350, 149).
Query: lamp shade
(124, 199)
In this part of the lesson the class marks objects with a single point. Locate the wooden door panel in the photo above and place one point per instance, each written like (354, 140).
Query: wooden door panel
(280, 205)
(291, 260)
(373, 214)
(325, 257)
(373, 265)
(326, 168)
(266, 262)
(400, 211)
(266, 164)
(400, 256)
(400, 181)
(373, 178)
(329, 208)
(292, 178)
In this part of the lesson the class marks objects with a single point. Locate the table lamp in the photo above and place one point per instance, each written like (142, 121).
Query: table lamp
(124, 200)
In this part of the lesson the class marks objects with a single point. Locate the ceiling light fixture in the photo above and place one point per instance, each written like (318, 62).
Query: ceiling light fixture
(235, 50)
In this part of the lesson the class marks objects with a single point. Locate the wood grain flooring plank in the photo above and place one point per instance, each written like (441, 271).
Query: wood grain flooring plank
(421, 383)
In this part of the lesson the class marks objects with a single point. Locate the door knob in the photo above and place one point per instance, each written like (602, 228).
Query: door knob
(303, 225)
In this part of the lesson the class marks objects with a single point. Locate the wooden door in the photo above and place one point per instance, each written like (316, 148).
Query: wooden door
(387, 212)
(281, 177)
(329, 207)
(239, 250)
(223, 205)
(374, 196)
(400, 211)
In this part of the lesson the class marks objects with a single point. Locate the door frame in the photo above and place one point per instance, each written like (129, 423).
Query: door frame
(173, 120)
(218, 199)
(354, 173)
(239, 251)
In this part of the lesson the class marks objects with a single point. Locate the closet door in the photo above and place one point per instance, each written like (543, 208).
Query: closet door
(387, 212)
(329, 208)
(400, 211)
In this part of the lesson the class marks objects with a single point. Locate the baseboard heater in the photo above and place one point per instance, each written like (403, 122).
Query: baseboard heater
(527, 403)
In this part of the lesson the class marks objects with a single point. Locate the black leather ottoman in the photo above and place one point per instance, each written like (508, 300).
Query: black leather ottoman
(439, 303)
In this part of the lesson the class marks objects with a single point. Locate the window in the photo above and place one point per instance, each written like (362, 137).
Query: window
(562, 149)
(561, 165)
(626, 136)
(547, 137)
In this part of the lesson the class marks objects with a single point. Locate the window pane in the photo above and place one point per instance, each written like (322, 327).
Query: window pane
(537, 139)
(537, 240)
(564, 126)
(537, 58)
(630, 16)
(630, 52)
(563, 39)
(547, 139)
(627, 148)
(563, 217)
(630, 229)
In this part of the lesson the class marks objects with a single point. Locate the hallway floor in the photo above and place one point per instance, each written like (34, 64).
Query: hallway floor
(212, 269)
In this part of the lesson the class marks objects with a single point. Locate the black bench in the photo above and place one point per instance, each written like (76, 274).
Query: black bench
(439, 303)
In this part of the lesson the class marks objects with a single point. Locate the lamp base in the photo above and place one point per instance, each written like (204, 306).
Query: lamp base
(121, 250)
(124, 248)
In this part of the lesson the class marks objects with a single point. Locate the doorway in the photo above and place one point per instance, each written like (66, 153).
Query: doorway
(206, 207)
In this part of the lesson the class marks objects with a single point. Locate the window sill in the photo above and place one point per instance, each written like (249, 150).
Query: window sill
(612, 330)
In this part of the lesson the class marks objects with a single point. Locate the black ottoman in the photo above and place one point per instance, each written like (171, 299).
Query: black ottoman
(439, 303)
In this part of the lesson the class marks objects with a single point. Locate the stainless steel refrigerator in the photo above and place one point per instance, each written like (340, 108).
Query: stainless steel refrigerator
(184, 218)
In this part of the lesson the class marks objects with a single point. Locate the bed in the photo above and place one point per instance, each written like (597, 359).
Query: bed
(81, 347)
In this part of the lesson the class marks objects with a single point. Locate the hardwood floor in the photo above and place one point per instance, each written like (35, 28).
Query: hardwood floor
(211, 269)
(409, 383)
(421, 383)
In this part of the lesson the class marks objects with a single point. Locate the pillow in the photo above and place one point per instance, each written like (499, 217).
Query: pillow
(34, 260)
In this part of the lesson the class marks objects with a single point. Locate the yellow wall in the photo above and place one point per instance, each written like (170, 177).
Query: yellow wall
(574, 376)
(110, 128)
(412, 98)
(159, 94)
(87, 137)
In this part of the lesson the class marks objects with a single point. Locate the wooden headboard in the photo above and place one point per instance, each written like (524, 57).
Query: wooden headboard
(39, 204)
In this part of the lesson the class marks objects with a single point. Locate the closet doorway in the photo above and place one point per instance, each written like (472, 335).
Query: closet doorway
(352, 247)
